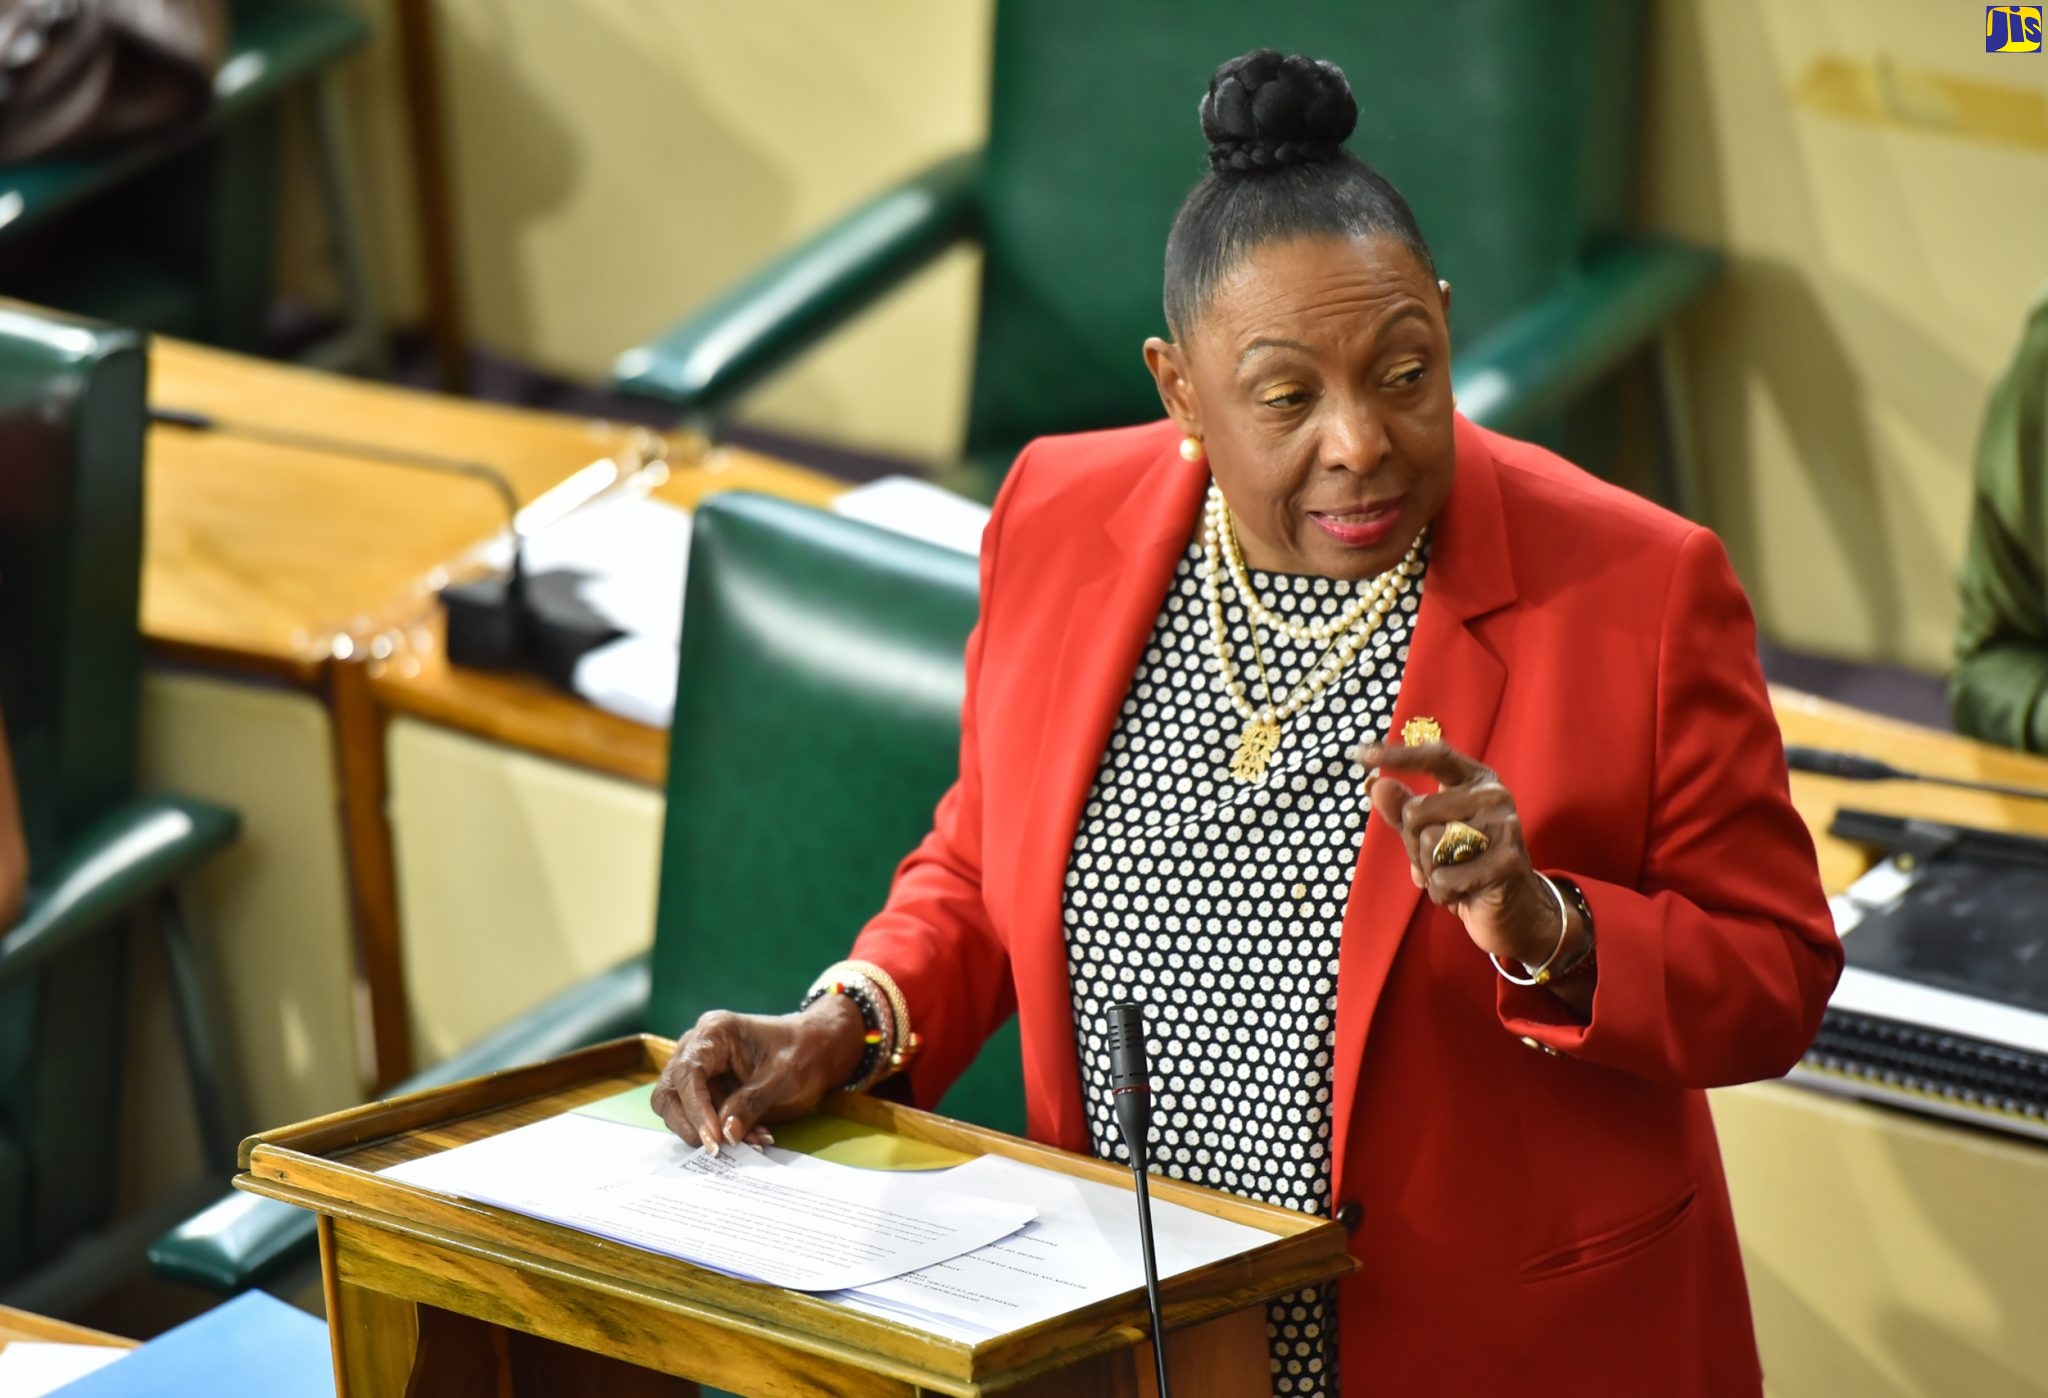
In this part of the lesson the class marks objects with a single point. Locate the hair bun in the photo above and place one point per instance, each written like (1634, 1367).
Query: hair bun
(1265, 112)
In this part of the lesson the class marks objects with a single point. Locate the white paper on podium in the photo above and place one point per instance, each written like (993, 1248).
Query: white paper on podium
(783, 1219)
(1082, 1248)
(31, 1368)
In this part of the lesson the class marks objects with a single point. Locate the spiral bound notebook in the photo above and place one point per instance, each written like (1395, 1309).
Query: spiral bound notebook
(1943, 1005)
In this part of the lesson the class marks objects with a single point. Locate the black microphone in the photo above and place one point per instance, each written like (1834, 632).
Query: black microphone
(1849, 766)
(1130, 1087)
(503, 623)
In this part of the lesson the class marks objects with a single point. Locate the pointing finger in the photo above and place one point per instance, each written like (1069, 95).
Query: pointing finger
(1439, 760)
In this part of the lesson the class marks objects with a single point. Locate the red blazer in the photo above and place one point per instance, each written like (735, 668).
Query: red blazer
(1537, 1204)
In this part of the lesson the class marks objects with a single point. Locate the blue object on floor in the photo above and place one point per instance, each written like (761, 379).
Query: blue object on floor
(252, 1344)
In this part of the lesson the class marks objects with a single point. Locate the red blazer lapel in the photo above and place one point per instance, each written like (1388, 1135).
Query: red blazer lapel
(1453, 677)
(1113, 610)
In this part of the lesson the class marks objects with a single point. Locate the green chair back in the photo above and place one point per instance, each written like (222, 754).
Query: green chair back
(71, 435)
(816, 727)
(1509, 126)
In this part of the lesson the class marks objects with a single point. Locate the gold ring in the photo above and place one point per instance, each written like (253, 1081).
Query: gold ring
(1460, 844)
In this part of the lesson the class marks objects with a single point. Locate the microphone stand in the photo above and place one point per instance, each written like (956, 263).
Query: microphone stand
(1131, 1096)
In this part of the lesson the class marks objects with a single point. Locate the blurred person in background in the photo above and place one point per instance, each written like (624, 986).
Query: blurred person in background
(1999, 688)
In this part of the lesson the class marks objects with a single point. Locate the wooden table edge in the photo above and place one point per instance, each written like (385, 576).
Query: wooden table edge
(18, 1325)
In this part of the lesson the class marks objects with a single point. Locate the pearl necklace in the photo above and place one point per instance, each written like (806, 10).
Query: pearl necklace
(1308, 635)
(1261, 735)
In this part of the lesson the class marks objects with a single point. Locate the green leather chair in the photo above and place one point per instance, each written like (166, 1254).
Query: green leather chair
(71, 434)
(1509, 126)
(816, 726)
(176, 234)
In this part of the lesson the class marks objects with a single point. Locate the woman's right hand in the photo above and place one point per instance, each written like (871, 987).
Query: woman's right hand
(733, 1072)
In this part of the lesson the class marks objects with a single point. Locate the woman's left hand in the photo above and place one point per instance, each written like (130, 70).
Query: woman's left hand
(1503, 902)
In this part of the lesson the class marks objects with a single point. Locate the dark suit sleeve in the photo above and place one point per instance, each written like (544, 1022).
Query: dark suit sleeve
(1717, 969)
(934, 935)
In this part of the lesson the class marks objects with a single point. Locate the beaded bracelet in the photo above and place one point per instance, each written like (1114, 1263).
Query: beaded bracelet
(872, 1017)
(883, 1009)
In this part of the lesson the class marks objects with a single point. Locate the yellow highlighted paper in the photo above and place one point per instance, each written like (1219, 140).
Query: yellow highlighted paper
(828, 1138)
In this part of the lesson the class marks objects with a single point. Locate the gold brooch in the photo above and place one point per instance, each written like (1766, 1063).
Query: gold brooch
(1419, 730)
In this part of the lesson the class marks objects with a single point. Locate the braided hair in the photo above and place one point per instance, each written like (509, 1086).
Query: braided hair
(1277, 170)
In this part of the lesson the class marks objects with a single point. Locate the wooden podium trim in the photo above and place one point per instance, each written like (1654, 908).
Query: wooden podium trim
(415, 1236)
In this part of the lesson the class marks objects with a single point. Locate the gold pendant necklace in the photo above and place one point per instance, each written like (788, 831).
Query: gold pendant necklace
(1260, 738)
(1255, 747)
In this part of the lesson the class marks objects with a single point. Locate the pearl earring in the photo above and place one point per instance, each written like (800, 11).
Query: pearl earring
(1191, 449)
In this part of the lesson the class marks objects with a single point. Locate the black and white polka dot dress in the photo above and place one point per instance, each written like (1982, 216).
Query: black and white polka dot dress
(1218, 905)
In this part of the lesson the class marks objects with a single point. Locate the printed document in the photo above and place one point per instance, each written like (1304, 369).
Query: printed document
(778, 1218)
(1081, 1248)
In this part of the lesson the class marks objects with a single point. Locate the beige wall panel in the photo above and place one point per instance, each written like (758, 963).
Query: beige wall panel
(517, 877)
(1882, 256)
(272, 911)
(618, 162)
(1889, 1256)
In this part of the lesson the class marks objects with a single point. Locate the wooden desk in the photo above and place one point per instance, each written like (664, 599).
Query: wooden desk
(24, 1325)
(279, 560)
(1818, 723)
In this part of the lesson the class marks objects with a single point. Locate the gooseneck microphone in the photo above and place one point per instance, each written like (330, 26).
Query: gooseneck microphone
(1130, 1087)
(1850, 766)
(540, 624)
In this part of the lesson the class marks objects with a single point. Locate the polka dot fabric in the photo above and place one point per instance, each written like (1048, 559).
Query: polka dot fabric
(1218, 905)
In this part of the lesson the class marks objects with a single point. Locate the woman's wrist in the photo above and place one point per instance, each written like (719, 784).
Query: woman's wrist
(1538, 941)
(839, 1033)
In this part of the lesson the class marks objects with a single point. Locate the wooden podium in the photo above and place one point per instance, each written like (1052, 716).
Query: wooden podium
(432, 1297)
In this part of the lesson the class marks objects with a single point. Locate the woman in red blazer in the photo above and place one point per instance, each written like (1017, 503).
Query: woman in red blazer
(1568, 749)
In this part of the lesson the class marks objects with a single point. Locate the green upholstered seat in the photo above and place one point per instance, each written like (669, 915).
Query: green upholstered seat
(71, 432)
(1511, 128)
(176, 233)
(817, 724)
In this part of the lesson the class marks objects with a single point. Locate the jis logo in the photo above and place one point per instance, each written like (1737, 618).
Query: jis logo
(2012, 29)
